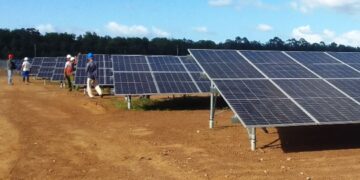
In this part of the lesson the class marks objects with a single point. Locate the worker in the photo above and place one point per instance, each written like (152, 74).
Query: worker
(10, 68)
(68, 71)
(62, 83)
(25, 69)
(91, 71)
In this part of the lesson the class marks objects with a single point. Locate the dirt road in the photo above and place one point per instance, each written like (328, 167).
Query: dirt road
(49, 133)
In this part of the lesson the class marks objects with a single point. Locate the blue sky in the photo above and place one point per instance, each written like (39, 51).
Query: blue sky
(217, 20)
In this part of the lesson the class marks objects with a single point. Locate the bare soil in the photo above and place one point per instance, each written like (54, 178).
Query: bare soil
(49, 133)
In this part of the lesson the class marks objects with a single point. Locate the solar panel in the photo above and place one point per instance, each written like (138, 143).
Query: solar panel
(105, 70)
(165, 75)
(130, 63)
(47, 67)
(225, 64)
(173, 83)
(166, 63)
(275, 64)
(290, 93)
(35, 66)
(58, 74)
(260, 103)
(350, 86)
(324, 65)
(190, 64)
(347, 57)
(202, 81)
(134, 83)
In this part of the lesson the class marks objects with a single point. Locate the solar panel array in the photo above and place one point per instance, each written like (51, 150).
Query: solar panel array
(104, 73)
(135, 75)
(58, 73)
(47, 67)
(273, 88)
(35, 66)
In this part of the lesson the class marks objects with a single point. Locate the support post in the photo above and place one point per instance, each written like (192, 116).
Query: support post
(212, 106)
(128, 99)
(252, 137)
(44, 82)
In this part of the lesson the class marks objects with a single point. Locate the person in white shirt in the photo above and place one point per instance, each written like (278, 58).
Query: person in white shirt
(25, 68)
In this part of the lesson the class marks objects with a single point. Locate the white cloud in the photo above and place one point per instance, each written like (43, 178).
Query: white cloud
(264, 27)
(160, 33)
(306, 33)
(45, 28)
(220, 3)
(124, 30)
(350, 38)
(201, 29)
(117, 29)
(347, 6)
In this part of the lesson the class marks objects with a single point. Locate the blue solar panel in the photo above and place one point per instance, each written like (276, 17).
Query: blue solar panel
(333, 70)
(134, 83)
(347, 57)
(225, 64)
(202, 81)
(267, 57)
(190, 64)
(166, 63)
(35, 66)
(306, 100)
(58, 74)
(349, 86)
(309, 88)
(105, 74)
(260, 103)
(324, 65)
(311, 57)
(332, 110)
(275, 64)
(175, 83)
(47, 67)
(130, 63)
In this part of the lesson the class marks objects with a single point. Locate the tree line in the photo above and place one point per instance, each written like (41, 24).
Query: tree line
(30, 42)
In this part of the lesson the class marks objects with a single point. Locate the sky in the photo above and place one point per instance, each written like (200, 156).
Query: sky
(315, 20)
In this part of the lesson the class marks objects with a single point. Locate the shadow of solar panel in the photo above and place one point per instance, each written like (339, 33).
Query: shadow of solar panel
(134, 83)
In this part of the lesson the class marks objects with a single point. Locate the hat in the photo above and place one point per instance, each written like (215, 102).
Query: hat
(72, 58)
(90, 56)
(68, 56)
(26, 59)
(11, 56)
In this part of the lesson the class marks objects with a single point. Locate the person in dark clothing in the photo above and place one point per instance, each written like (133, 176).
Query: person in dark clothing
(91, 71)
(10, 68)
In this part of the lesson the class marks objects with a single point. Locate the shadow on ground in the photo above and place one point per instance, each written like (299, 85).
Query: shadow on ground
(318, 138)
(183, 103)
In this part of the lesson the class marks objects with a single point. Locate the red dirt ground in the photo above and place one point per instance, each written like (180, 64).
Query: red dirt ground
(49, 133)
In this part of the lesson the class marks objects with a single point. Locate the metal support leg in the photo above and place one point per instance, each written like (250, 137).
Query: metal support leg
(252, 137)
(212, 106)
(128, 99)
(44, 82)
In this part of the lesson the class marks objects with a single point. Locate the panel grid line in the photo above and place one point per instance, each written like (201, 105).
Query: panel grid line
(192, 78)
(152, 74)
(325, 80)
(277, 86)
